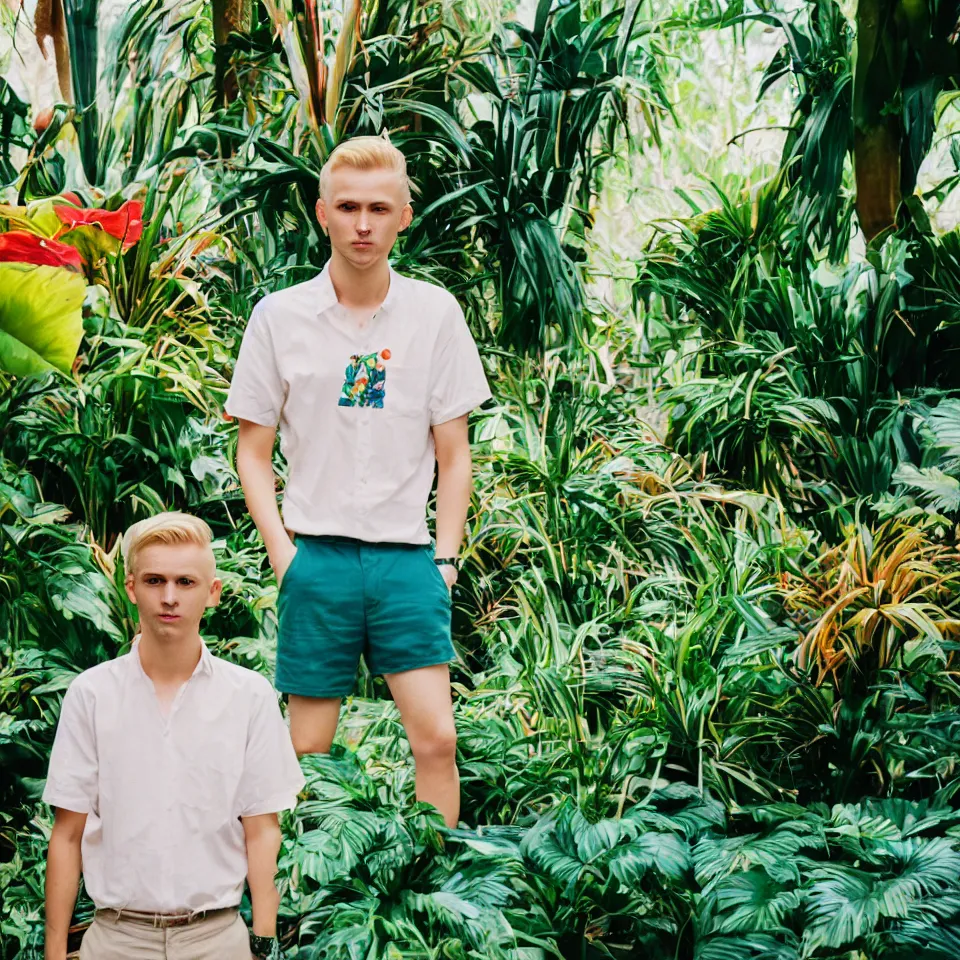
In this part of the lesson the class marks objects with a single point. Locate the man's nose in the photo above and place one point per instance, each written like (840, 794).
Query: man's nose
(363, 224)
(170, 594)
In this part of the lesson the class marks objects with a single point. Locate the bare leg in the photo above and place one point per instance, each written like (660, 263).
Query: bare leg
(313, 723)
(426, 710)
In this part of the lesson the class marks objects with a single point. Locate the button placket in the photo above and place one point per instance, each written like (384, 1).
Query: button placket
(177, 701)
(168, 807)
(363, 459)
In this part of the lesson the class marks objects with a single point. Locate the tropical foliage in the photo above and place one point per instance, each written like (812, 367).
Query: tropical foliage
(706, 688)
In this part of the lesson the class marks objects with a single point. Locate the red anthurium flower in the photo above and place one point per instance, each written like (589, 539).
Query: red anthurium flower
(19, 246)
(125, 223)
(72, 198)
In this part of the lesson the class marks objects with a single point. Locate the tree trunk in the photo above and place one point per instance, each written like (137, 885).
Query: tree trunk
(229, 16)
(877, 116)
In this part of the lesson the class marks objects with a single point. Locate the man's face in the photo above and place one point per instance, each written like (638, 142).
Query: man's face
(172, 586)
(363, 211)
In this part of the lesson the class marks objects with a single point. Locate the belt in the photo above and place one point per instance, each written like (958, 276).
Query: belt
(354, 542)
(160, 919)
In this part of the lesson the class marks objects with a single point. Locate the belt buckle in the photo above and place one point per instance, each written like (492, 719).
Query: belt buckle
(175, 921)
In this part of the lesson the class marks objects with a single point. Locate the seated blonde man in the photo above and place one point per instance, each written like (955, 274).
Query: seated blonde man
(167, 772)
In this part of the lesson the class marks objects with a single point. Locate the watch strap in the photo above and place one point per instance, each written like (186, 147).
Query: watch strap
(448, 562)
(265, 948)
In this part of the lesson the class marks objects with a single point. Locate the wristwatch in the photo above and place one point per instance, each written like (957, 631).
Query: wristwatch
(265, 948)
(447, 562)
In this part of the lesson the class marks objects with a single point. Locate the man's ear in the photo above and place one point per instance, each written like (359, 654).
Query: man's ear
(321, 212)
(216, 589)
(406, 216)
(128, 586)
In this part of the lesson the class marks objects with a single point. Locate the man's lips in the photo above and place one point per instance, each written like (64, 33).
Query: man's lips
(169, 617)
(362, 243)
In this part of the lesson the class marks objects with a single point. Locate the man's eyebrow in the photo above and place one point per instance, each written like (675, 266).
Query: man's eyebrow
(371, 203)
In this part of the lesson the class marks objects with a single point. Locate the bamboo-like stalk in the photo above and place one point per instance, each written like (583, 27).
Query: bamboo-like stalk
(49, 21)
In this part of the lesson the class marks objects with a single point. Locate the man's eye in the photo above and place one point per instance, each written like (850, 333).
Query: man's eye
(153, 581)
(185, 581)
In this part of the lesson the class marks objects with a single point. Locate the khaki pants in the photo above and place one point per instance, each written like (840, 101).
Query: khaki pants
(221, 937)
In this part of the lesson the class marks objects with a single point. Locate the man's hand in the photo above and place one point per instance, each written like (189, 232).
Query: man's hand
(265, 948)
(449, 573)
(281, 563)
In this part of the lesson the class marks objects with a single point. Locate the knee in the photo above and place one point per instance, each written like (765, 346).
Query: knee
(308, 741)
(436, 746)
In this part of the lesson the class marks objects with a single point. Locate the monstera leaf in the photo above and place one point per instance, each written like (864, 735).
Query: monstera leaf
(40, 318)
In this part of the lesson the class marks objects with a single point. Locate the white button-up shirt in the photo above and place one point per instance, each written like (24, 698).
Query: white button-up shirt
(355, 404)
(163, 795)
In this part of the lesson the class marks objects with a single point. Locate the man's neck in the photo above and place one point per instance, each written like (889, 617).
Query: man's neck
(359, 289)
(169, 661)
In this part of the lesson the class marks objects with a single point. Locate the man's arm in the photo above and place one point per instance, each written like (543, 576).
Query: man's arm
(454, 486)
(255, 467)
(263, 838)
(63, 880)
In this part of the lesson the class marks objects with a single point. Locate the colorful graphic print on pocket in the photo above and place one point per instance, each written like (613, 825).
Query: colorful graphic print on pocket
(365, 382)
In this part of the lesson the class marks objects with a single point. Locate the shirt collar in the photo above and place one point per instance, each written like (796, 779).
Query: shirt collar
(203, 667)
(326, 296)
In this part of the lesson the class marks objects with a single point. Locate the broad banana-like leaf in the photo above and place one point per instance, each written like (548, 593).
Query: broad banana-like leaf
(38, 217)
(41, 324)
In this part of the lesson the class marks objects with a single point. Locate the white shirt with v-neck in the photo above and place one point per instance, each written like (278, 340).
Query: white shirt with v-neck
(163, 794)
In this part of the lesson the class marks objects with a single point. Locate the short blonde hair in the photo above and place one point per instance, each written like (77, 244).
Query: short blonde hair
(366, 153)
(171, 528)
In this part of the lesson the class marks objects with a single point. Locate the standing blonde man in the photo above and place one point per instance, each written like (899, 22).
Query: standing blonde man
(167, 773)
(370, 377)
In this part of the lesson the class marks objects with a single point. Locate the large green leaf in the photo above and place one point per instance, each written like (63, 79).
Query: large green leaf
(664, 852)
(40, 318)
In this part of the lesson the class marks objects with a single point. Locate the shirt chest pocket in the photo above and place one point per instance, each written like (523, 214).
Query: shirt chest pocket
(311, 389)
(406, 394)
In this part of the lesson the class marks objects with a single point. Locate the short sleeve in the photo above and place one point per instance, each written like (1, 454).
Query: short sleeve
(72, 777)
(271, 776)
(256, 391)
(458, 381)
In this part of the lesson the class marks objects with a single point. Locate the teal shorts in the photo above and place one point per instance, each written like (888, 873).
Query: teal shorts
(343, 598)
